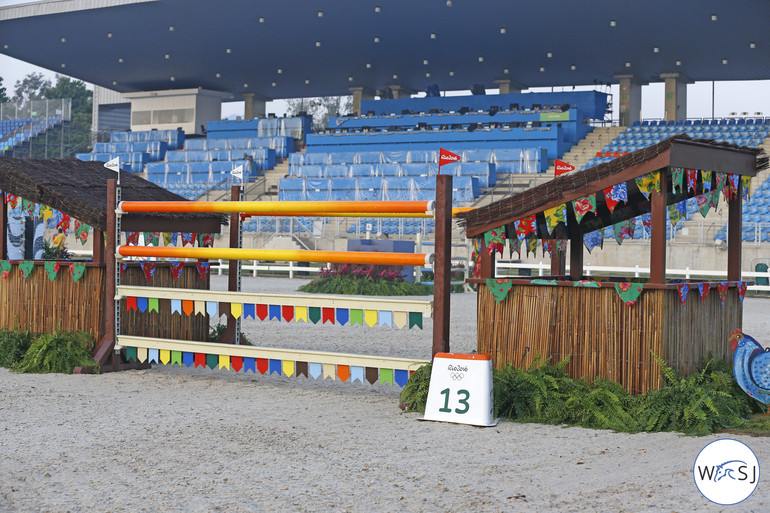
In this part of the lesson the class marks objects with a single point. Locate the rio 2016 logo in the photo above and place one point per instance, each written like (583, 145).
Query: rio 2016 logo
(726, 472)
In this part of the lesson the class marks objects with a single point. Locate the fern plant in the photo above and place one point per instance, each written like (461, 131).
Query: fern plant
(60, 351)
(13, 345)
(414, 396)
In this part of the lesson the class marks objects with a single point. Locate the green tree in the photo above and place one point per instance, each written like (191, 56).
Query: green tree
(79, 130)
(321, 109)
(31, 87)
(3, 95)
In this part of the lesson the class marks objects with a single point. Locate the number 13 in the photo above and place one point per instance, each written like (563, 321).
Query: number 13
(463, 401)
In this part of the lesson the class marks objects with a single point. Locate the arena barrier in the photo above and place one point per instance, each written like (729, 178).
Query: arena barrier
(237, 305)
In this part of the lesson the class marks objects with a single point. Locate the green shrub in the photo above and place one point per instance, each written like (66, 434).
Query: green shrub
(216, 331)
(13, 345)
(364, 281)
(61, 351)
(702, 403)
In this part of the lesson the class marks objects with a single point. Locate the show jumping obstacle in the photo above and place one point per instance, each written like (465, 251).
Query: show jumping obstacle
(113, 354)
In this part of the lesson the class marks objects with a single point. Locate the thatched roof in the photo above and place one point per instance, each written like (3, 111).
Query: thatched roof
(79, 189)
(677, 151)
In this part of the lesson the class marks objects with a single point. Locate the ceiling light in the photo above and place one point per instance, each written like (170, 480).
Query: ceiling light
(307, 81)
(5, 47)
(261, 19)
(172, 78)
(171, 28)
(506, 71)
(320, 14)
(317, 44)
(109, 34)
(678, 63)
(427, 75)
(612, 23)
(376, 39)
(451, 73)
(573, 67)
(350, 78)
(724, 61)
(713, 17)
(63, 65)
(542, 69)
(449, 3)
(245, 86)
(368, 65)
(120, 59)
(433, 35)
(752, 45)
(655, 49)
(481, 59)
(280, 71)
(395, 77)
(425, 62)
(219, 75)
(628, 64)
(63, 39)
(377, 8)
(549, 55)
(229, 50)
(273, 84)
(114, 82)
(502, 30)
(167, 56)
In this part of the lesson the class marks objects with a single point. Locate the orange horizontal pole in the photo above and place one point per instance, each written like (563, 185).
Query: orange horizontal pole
(423, 215)
(334, 257)
(278, 207)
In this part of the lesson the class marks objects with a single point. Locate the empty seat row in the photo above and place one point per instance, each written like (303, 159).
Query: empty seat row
(192, 172)
(174, 138)
(132, 162)
(484, 171)
(283, 146)
(156, 150)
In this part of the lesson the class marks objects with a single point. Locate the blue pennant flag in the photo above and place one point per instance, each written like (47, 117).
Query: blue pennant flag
(356, 373)
(314, 369)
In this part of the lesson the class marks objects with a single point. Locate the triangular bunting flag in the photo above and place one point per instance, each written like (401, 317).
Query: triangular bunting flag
(741, 286)
(149, 270)
(287, 312)
(703, 290)
(176, 306)
(343, 316)
(212, 308)
(629, 292)
(203, 270)
(370, 317)
(677, 179)
(386, 318)
(300, 313)
(555, 216)
(499, 288)
(583, 206)
(51, 269)
(176, 269)
(722, 288)
(77, 269)
(683, 289)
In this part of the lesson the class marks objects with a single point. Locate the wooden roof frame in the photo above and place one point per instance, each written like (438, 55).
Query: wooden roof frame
(677, 151)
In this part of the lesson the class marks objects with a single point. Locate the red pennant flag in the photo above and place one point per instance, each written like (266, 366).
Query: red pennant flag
(328, 315)
(200, 360)
(262, 312)
(562, 167)
(446, 157)
(237, 363)
(262, 365)
(288, 312)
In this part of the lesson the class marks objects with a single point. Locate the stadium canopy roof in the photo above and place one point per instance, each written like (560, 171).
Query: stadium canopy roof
(303, 48)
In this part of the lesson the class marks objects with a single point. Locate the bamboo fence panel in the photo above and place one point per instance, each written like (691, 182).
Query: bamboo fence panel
(164, 324)
(604, 337)
(44, 306)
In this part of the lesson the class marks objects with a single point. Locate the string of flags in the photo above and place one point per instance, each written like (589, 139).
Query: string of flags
(203, 240)
(287, 313)
(176, 267)
(51, 268)
(269, 366)
(628, 292)
(683, 180)
(50, 216)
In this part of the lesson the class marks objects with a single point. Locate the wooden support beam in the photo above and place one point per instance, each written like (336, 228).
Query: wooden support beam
(442, 286)
(658, 231)
(4, 231)
(231, 332)
(576, 257)
(104, 350)
(734, 228)
(98, 246)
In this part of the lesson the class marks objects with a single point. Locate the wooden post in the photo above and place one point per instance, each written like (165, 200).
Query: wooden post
(442, 264)
(231, 333)
(658, 231)
(558, 261)
(98, 245)
(104, 349)
(4, 231)
(734, 228)
(486, 262)
(576, 257)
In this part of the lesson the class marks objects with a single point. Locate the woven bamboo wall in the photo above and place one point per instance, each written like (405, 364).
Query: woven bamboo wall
(42, 305)
(164, 324)
(604, 337)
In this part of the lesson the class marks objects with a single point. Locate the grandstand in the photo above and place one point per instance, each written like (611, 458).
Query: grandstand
(21, 123)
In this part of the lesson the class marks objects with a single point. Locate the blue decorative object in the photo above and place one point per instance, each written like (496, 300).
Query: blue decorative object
(751, 366)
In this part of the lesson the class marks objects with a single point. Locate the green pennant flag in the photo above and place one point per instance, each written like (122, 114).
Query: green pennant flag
(624, 230)
(211, 361)
(5, 268)
(386, 376)
(176, 358)
(589, 284)
(130, 354)
(673, 214)
(314, 313)
(722, 183)
(77, 269)
(531, 244)
(514, 244)
(584, 205)
(415, 319)
(151, 238)
(677, 179)
(629, 292)
(714, 199)
(703, 204)
(51, 269)
(543, 282)
(152, 304)
(499, 288)
(356, 317)
(26, 267)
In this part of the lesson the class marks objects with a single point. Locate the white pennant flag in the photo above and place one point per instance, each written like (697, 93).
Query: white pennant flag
(114, 165)
(238, 172)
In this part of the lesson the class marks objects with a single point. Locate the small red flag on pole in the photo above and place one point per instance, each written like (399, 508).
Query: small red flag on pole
(563, 167)
(446, 157)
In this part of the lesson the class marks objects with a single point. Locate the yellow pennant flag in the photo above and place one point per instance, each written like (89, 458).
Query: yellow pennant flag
(224, 362)
(236, 309)
(370, 317)
(165, 356)
(300, 313)
(287, 367)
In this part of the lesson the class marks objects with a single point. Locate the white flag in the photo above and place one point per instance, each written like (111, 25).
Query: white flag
(113, 164)
(238, 172)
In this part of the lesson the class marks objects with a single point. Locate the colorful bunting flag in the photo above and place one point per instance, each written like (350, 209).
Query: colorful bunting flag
(714, 199)
(132, 238)
(703, 204)
(189, 238)
(554, 216)
(176, 269)
(494, 240)
(583, 206)
(81, 232)
(692, 179)
(152, 305)
(722, 287)
(170, 238)
(531, 244)
(722, 184)
(683, 289)
(46, 213)
(148, 268)
(746, 188)
(476, 258)
(525, 226)
(514, 245)
(300, 313)
(629, 292)
(703, 290)
(677, 179)
(647, 183)
(706, 178)
(733, 182)
(386, 318)
(741, 286)
(593, 239)
(203, 270)
(287, 312)
(141, 304)
(611, 199)
(176, 306)
(205, 240)
(123, 267)
(51, 269)
(624, 230)
(131, 303)
(674, 215)
(28, 207)
(152, 238)
(499, 288)
(26, 267)
(64, 224)
(5, 268)
(11, 199)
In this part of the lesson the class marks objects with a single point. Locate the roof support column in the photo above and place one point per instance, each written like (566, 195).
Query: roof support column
(675, 102)
(658, 231)
(360, 94)
(507, 86)
(253, 108)
(399, 91)
(630, 100)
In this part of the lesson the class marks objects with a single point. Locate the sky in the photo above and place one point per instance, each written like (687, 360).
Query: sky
(729, 97)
